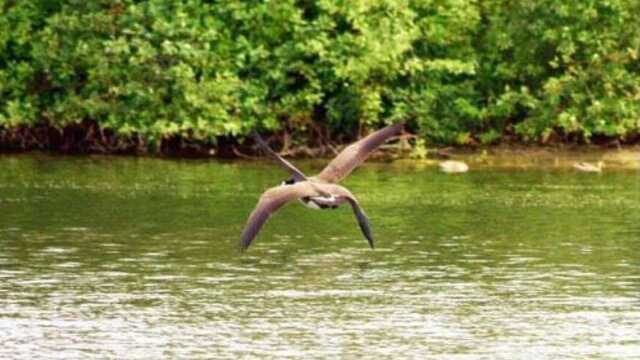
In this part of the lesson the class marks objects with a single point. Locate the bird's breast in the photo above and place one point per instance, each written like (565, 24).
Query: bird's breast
(320, 202)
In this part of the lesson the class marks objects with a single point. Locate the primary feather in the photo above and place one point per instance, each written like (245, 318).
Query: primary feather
(354, 154)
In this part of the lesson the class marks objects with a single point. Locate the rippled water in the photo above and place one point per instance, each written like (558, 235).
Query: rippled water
(137, 258)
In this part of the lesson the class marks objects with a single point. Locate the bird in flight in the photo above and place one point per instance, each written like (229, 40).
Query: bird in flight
(320, 191)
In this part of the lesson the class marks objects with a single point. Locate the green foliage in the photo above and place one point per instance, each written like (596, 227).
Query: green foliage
(458, 70)
(569, 67)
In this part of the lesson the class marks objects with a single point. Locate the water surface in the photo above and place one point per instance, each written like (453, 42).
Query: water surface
(106, 257)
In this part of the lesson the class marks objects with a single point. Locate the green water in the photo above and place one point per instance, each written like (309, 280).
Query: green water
(104, 257)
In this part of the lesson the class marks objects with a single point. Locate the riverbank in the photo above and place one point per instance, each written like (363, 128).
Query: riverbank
(88, 139)
(540, 157)
(514, 157)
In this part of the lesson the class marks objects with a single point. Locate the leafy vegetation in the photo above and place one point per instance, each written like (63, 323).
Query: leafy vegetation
(458, 71)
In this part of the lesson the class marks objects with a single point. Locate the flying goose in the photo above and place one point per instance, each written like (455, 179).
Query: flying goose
(588, 167)
(320, 191)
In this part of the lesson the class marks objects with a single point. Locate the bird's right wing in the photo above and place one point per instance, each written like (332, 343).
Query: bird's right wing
(270, 201)
(354, 154)
(363, 221)
(295, 173)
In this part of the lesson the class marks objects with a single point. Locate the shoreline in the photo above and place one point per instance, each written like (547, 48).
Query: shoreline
(497, 156)
(89, 139)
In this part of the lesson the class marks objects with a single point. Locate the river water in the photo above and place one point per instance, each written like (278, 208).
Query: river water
(137, 258)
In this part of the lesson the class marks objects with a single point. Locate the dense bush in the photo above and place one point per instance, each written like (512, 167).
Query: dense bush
(458, 70)
(569, 66)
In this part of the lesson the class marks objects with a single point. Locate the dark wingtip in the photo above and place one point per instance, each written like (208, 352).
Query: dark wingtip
(397, 128)
(363, 222)
(245, 241)
(395, 125)
(366, 229)
(368, 235)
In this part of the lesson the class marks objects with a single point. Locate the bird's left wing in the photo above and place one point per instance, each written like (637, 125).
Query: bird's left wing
(295, 173)
(270, 201)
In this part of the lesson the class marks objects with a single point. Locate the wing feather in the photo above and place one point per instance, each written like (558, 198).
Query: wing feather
(270, 201)
(363, 221)
(297, 174)
(354, 154)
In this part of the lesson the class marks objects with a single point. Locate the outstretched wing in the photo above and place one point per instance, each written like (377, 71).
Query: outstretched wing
(363, 221)
(270, 201)
(354, 154)
(297, 174)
